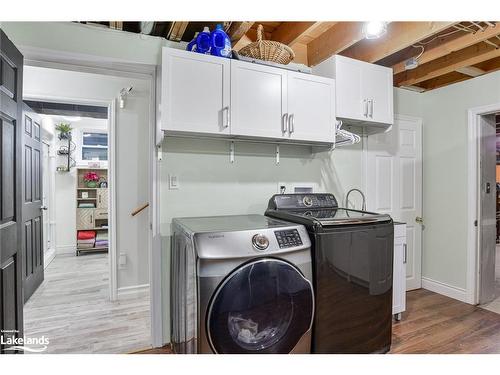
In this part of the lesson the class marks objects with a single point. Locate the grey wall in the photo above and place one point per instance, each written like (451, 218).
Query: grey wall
(445, 175)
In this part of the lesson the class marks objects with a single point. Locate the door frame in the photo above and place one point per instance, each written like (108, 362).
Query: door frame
(474, 199)
(108, 66)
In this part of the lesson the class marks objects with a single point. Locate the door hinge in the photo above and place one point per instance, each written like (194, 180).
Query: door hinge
(475, 223)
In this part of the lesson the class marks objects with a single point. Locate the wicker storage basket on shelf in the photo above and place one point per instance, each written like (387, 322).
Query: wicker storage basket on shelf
(268, 50)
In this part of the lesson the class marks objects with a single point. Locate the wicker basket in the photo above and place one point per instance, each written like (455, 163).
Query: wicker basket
(268, 50)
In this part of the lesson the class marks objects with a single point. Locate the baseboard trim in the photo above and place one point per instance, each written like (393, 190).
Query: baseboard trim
(48, 257)
(445, 289)
(68, 249)
(134, 289)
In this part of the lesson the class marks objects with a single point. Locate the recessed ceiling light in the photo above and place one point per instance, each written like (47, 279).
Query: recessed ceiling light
(374, 29)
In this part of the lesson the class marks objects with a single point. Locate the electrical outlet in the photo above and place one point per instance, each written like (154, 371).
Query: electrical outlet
(173, 182)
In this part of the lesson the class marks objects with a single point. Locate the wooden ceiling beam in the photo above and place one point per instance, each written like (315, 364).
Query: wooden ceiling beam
(445, 80)
(177, 30)
(470, 71)
(336, 39)
(452, 62)
(399, 35)
(456, 44)
(290, 32)
(238, 29)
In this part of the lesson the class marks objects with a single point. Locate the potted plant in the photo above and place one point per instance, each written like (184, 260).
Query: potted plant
(91, 179)
(64, 130)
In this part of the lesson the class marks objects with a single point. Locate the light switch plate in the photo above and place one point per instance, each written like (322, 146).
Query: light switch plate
(173, 182)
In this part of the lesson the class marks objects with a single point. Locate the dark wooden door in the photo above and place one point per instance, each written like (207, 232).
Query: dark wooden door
(11, 221)
(32, 203)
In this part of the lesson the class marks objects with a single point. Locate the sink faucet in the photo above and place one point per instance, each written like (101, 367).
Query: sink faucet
(362, 195)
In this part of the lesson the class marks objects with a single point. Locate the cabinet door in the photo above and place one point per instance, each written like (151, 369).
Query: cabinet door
(377, 89)
(311, 107)
(102, 198)
(349, 99)
(398, 279)
(258, 100)
(195, 92)
(84, 218)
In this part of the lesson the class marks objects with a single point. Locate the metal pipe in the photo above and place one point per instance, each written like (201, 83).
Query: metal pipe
(363, 206)
(478, 25)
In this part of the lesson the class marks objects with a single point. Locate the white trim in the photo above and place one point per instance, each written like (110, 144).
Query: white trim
(473, 199)
(111, 163)
(444, 289)
(66, 249)
(48, 257)
(109, 66)
(134, 289)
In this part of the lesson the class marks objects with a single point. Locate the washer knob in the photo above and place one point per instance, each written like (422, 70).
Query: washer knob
(307, 201)
(260, 242)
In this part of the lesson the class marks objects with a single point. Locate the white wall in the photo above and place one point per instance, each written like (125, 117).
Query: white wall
(132, 132)
(444, 112)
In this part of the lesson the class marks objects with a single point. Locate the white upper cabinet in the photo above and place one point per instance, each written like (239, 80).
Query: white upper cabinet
(311, 108)
(258, 100)
(209, 95)
(195, 92)
(364, 92)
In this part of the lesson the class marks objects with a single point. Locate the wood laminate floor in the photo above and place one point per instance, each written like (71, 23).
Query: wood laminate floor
(72, 309)
(436, 324)
(495, 304)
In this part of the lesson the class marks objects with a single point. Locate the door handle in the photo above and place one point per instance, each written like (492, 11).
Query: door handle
(44, 208)
(284, 126)
(365, 104)
(405, 253)
(487, 188)
(291, 124)
(228, 117)
(419, 220)
(371, 108)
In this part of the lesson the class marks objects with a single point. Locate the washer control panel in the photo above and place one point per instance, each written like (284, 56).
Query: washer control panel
(288, 238)
(301, 201)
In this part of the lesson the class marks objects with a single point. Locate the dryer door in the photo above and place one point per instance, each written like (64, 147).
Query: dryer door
(265, 306)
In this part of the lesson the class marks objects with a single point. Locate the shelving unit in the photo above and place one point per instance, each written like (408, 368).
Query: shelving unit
(95, 217)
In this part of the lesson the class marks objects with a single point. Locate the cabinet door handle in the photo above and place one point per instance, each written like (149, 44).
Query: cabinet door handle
(91, 218)
(291, 125)
(405, 253)
(365, 104)
(371, 108)
(228, 117)
(284, 126)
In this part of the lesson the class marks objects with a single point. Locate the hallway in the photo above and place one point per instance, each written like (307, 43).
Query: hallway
(72, 309)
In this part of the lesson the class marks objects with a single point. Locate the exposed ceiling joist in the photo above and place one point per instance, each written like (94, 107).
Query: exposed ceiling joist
(290, 32)
(471, 71)
(450, 63)
(399, 36)
(177, 30)
(238, 29)
(337, 38)
(459, 43)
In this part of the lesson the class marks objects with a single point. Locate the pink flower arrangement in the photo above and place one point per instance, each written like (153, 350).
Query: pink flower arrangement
(90, 177)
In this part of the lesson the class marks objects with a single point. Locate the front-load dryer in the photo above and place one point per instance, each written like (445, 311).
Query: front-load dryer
(241, 284)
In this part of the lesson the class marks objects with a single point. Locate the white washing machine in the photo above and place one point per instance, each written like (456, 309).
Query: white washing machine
(241, 284)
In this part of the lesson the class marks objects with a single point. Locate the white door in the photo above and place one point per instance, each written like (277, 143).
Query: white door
(377, 90)
(394, 185)
(311, 107)
(195, 92)
(349, 99)
(258, 100)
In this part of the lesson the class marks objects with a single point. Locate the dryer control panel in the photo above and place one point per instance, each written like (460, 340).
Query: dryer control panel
(288, 238)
